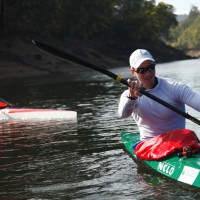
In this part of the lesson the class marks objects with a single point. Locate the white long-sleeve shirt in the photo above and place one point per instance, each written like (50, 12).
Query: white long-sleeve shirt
(153, 118)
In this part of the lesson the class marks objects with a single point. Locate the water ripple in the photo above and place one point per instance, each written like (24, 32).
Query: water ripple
(56, 160)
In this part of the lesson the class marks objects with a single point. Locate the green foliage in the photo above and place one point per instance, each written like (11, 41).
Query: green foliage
(115, 20)
(142, 20)
(187, 34)
(29, 16)
(164, 19)
(86, 18)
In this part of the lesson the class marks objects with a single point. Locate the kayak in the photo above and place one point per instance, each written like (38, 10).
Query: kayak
(180, 168)
(7, 114)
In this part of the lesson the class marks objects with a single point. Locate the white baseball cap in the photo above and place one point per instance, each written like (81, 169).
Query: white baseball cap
(138, 57)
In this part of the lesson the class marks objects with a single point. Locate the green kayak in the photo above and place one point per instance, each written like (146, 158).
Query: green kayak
(184, 169)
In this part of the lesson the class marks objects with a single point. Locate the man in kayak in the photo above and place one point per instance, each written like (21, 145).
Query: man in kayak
(151, 117)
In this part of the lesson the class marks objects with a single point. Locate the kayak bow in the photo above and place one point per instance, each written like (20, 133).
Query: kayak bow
(184, 169)
(37, 114)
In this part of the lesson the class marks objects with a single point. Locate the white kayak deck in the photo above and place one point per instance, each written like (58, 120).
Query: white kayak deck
(37, 114)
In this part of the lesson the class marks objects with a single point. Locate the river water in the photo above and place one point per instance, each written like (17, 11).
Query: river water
(83, 160)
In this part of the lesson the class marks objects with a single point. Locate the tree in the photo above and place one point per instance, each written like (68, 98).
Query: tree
(118, 21)
(193, 12)
(129, 21)
(142, 20)
(164, 19)
(187, 34)
(86, 18)
(2, 14)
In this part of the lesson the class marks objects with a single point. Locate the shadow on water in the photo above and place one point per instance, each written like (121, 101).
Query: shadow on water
(59, 160)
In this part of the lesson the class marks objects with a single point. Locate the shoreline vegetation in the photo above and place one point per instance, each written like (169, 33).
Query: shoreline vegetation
(103, 33)
(19, 58)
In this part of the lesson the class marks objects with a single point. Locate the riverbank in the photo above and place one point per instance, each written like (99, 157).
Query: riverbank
(20, 58)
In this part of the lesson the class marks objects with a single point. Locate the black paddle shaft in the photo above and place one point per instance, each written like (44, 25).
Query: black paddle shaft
(69, 57)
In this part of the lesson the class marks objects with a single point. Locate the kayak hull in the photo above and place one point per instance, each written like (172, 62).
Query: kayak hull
(37, 114)
(186, 170)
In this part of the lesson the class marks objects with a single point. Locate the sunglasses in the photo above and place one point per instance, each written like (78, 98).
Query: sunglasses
(150, 68)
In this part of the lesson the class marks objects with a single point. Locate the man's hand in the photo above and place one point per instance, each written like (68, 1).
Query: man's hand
(134, 89)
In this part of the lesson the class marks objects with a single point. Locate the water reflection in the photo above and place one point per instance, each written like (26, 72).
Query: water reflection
(56, 160)
(28, 150)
